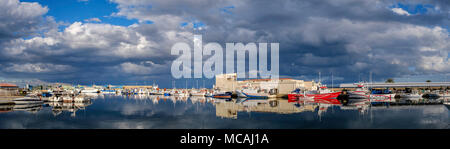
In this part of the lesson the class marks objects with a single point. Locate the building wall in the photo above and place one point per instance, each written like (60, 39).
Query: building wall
(9, 91)
(228, 82)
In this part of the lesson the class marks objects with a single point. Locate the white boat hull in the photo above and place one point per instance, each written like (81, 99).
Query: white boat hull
(27, 100)
(381, 96)
(410, 96)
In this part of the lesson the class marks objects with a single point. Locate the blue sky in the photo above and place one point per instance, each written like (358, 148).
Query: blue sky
(70, 11)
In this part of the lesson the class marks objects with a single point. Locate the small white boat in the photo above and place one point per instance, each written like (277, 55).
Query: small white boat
(67, 99)
(198, 93)
(27, 100)
(55, 99)
(89, 90)
(410, 95)
(381, 96)
(254, 93)
(80, 98)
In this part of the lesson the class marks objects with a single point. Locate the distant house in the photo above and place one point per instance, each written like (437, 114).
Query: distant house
(7, 89)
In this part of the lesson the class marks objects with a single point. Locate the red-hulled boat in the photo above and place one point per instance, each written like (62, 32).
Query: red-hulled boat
(296, 94)
(223, 95)
(322, 93)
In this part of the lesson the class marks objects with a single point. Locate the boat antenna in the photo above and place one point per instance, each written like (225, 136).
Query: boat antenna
(319, 77)
(332, 83)
(371, 83)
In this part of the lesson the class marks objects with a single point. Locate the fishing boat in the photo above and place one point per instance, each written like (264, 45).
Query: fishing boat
(27, 100)
(431, 95)
(296, 94)
(223, 95)
(323, 93)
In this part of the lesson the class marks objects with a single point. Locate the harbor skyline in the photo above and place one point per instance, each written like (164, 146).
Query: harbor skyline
(225, 73)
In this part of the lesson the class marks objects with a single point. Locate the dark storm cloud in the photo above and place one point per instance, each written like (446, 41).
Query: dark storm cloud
(19, 19)
(346, 37)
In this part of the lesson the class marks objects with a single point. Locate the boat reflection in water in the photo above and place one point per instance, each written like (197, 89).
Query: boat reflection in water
(229, 108)
(31, 108)
(72, 107)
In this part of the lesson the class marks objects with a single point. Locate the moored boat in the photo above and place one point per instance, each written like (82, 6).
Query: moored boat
(67, 99)
(89, 90)
(27, 100)
(322, 93)
(381, 94)
(197, 93)
(254, 93)
(80, 98)
(296, 94)
(410, 95)
(55, 99)
(223, 95)
(108, 91)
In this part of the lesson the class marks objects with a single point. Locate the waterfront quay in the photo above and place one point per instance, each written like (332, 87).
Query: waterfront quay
(227, 86)
(228, 104)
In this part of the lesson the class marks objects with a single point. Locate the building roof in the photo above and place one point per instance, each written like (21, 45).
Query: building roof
(268, 79)
(7, 85)
(400, 84)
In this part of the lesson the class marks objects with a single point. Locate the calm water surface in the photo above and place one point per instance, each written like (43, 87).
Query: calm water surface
(123, 112)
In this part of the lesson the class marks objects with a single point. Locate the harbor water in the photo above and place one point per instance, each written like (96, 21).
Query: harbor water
(159, 112)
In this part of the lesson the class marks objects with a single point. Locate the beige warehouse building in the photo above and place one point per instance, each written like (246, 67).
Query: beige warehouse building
(283, 86)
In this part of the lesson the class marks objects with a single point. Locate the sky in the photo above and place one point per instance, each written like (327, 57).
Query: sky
(129, 41)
